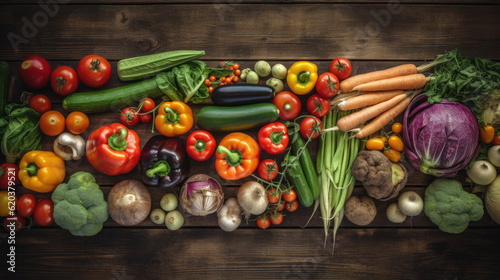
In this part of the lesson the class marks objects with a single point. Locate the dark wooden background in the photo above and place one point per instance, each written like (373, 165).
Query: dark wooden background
(373, 34)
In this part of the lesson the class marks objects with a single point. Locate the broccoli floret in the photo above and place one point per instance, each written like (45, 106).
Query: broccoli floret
(79, 205)
(450, 207)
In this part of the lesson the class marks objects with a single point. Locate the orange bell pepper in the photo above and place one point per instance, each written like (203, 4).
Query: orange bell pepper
(238, 156)
(174, 118)
(41, 171)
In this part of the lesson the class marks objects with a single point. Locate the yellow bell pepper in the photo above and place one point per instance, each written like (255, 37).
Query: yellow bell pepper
(174, 118)
(302, 77)
(41, 171)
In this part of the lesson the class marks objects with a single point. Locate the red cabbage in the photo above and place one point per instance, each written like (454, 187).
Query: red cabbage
(440, 138)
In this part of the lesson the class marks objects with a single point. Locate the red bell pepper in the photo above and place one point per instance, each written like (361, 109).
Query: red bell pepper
(200, 145)
(273, 138)
(9, 175)
(113, 149)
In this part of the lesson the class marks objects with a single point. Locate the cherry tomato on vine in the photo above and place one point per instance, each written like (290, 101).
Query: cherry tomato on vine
(318, 105)
(129, 116)
(25, 205)
(496, 140)
(327, 85)
(64, 80)
(393, 155)
(44, 211)
(277, 218)
(341, 67)
(375, 143)
(94, 70)
(397, 127)
(273, 195)
(15, 223)
(311, 127)
(396, 143)
(52, 123)
(268, 169)
(276, 207)
(34, 71)
(147, 105)
(77, 122)
(263, 221)
(289, 195)
(292, 206)
(40, 103)
(288, 104)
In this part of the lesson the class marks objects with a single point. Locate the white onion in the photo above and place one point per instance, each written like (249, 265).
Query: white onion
(410, 203)
(252, 198)
(494, 155)
(481, 172)
(394, 214)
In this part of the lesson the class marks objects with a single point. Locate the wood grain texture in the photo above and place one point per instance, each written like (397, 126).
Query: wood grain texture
(270, 254)
(258, 31)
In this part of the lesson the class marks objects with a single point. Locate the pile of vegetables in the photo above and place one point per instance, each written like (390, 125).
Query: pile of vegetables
(347, 115)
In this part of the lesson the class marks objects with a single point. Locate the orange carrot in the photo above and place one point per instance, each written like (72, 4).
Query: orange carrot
(354, 119)
(383, 119)
(413, 81)
(348, 84)
(367, 99)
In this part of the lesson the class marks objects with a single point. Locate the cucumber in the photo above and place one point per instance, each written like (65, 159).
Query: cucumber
(297, 177)
(143, 66)
(4, 86)
(234, 118)
(110, 99)
(241, 94)
(307, 165)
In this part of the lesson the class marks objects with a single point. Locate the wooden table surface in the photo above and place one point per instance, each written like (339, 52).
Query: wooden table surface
(373, 34)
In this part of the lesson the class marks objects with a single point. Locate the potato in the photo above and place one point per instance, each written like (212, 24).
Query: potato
(360, 210)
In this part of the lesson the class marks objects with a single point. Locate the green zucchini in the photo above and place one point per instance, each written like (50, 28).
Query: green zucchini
(234, 118)
(4, 86)
(110, 99)
(307, 165)
(144, 66)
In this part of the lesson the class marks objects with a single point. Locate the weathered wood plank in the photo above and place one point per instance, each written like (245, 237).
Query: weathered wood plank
(249, 254)
(258, 31)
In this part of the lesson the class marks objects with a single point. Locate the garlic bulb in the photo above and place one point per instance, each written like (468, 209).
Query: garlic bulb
(229, 215)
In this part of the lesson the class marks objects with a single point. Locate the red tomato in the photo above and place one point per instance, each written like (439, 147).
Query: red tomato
(129, 116)
(9, 175)
(289, 195)
(276, 207)
(273, 195)
(44, 211)
(147, 105)
(64, 80)
(292, 206)
(276, 218)
(311, 127)
(263, 221)
(94, 70)
(34, 72)
(15, 223)
(289, 105)
(146, 118)
(496, 140)
(77, 122)
(26, 205)
(318, 106)
(327, 85)
(52, 123)
(341, 67)
(268, 169)
(40, 103)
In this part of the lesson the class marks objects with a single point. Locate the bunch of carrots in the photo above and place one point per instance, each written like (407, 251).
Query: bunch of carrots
(380, 96)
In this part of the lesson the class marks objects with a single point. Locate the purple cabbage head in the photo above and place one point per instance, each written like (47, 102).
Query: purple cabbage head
(440, 138)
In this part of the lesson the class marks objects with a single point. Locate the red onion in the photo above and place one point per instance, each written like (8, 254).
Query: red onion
(201, 195)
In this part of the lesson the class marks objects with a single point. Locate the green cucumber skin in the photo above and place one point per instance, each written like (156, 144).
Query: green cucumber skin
(234, 118)
(111, 99)
(143, 66)
(296, 175)
(4, 86)
(307, 164)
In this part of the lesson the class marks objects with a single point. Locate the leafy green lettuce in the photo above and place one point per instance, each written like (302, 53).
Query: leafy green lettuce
(185, 82)
(19, 132)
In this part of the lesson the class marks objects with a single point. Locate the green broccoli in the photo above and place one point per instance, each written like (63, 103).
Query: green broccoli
(79, 205)
(450, 207)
